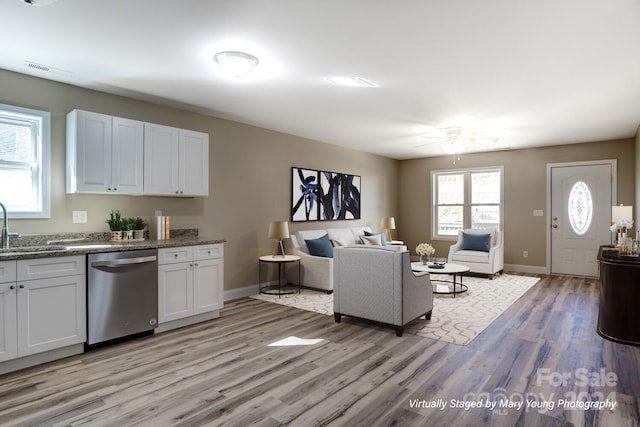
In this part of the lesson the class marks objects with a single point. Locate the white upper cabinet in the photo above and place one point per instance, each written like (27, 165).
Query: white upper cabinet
(104, 154)
(194, 163)
(176, 161)
(161, 159)
(113, 155)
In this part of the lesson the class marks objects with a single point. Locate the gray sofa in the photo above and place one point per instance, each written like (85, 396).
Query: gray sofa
(376, 283)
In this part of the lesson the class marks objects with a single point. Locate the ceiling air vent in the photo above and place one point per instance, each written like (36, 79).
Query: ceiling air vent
(38, 2)
(47, 69)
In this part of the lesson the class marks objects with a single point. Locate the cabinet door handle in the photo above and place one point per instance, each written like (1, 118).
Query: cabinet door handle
(21, 286)
(12, 287)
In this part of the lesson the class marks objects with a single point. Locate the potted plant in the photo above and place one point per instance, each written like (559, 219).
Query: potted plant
(127, 228)
(139, 225)
(115, 225)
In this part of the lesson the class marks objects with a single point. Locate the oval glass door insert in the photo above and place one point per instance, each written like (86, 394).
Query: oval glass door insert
(580, 208)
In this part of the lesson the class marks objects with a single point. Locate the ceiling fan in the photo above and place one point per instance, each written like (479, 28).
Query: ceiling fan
(455, 139)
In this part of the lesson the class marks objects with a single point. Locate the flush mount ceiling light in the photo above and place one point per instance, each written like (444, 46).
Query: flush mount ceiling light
(352, 81)
(236, 64)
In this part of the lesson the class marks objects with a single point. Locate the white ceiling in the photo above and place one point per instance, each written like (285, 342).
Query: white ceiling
(532, 73)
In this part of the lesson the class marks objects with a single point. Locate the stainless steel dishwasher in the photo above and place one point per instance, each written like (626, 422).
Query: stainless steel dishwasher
(122, 295)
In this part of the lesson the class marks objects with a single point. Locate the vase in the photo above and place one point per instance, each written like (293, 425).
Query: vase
(127, 235)
(424, 259)
(116, 235)
(138, 234)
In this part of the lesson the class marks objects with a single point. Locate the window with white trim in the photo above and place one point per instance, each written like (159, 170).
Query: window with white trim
(469, 198)
(25, 136)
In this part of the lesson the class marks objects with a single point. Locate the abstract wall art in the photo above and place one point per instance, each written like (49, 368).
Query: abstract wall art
(339, 196)
(324, 196)
(304, 194)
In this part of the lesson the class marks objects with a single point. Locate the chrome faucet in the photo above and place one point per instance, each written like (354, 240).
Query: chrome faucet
(5, 229)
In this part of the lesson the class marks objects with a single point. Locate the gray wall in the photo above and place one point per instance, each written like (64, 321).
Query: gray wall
(250, 168)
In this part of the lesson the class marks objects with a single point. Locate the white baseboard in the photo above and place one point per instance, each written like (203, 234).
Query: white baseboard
(526, 269)
(236, 293)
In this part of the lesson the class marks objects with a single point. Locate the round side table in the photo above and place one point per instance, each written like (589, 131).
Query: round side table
(281, 261)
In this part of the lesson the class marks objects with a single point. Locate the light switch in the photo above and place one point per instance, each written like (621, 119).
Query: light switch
(538, 212)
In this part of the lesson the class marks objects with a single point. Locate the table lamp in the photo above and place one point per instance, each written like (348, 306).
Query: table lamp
(621, 213)
(388, 223)
(279, 230)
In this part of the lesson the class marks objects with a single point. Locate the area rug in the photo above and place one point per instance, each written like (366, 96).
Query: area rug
(455, 320)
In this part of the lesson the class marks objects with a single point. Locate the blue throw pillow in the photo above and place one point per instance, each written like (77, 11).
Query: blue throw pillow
(320, 246)
(476, 242)
(382, 241)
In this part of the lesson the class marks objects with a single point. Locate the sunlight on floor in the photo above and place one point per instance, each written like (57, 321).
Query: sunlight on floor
(295, 341)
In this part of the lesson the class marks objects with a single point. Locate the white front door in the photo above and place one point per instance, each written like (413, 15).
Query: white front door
(581, 200)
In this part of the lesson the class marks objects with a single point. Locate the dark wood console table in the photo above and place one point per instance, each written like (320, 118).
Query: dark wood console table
(619, 314)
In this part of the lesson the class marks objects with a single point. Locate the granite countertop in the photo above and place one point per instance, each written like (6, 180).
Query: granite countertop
(43, 246)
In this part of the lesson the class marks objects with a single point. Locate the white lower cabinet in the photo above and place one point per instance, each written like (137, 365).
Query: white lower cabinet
(190, 281)
(44, 308)
(8, 315)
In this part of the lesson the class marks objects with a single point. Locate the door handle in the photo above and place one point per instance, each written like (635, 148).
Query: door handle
(555, 226)
(125, 261)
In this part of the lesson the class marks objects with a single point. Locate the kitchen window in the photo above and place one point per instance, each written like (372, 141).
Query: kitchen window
(25, 136)
(469, 198)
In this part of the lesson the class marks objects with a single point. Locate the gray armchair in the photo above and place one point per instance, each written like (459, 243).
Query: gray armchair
(376, 283)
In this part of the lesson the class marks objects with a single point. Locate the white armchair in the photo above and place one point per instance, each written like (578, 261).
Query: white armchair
(480, 250)
(376, 283)
(317, 271)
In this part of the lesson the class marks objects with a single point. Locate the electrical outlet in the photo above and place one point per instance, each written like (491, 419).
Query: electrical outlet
(525, 254)
(79, 217)
(158, 213)
(538, 212)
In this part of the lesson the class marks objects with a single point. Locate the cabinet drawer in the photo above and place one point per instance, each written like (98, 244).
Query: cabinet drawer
(8, 271)
(207, 252)
(172, 255)
(45, 268)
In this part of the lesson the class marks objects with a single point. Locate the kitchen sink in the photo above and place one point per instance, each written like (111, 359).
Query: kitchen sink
(31, 250)
(92, 246)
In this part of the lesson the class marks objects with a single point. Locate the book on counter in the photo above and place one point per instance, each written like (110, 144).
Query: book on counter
(159, 227)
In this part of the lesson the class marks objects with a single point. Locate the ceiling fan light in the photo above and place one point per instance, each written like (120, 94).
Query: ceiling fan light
(236, 64)
(453, 148)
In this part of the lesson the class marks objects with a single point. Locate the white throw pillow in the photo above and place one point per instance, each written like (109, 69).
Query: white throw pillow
(375, 240)
(337, 243)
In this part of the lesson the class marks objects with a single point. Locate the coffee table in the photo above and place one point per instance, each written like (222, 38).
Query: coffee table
(455, 270)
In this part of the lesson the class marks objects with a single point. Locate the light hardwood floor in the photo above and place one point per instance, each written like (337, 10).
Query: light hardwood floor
(225, 373)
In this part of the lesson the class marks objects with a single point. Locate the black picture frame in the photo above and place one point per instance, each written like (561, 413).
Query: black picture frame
(304, 194)
(324, 195)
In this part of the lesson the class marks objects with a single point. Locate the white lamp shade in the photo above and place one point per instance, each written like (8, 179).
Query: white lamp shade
(621, 213)
(388, 223)
(279, 230)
